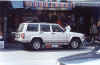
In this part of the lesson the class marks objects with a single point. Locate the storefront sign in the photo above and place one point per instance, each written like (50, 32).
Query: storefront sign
(48, 5)
(52, 4)
(41, 4)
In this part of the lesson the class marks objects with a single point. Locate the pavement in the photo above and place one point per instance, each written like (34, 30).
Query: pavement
(16, 55)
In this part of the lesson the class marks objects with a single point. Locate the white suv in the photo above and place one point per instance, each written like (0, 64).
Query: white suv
(38, 35)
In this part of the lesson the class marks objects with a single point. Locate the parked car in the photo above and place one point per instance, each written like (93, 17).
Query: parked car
(90, 58)
(38, 35)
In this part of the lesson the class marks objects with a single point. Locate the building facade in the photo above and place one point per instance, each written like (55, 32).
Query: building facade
(86, 13)
(15, 12)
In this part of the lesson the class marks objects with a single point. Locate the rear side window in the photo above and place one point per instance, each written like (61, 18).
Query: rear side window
(21, 27)
(32, 27)
(45, 28)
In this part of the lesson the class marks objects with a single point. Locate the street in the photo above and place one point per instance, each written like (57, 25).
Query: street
(15, 56)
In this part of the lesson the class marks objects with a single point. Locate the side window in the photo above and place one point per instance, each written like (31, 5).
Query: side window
(21, 27)
(32, 27)
(56, 28)
(45, 28)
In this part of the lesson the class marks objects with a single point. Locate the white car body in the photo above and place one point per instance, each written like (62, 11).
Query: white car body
(51, 37)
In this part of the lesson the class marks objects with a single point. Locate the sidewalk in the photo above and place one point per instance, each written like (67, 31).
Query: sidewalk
(14, 46)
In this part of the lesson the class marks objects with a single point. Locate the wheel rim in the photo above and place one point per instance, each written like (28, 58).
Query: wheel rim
(36, 45)
(74, 44)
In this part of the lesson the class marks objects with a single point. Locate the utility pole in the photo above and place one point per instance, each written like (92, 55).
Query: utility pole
(5, 32)
(4, 12)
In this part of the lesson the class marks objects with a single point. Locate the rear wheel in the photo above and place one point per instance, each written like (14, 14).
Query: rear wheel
(36, 44)
(75, 43)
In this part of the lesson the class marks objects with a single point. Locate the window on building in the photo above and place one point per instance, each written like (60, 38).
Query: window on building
(63, 0)
(17, 4)
(54, 0)
(32, 27)
(48, 0)
(45, 28)
(41, 0)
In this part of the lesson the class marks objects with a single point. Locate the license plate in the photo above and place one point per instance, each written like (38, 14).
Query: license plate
(17, 35)
(55, 46)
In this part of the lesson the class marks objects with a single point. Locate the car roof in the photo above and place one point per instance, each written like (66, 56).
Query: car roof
(42, 23)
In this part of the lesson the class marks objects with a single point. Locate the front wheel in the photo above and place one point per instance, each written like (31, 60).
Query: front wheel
(75, 43)
(36, 44)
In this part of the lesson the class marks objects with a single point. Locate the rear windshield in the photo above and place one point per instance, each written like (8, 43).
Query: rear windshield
(20, 29)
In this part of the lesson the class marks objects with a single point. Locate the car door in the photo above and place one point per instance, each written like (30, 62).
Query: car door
(32, 31)
(45, 32)
(58, 34)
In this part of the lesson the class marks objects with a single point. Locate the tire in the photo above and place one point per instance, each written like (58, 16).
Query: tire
(36, 44)
(75, 43)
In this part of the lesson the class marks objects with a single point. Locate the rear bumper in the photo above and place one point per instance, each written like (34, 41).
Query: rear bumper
(21, 40)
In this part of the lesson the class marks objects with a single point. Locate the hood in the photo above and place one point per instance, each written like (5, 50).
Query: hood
(80, 59)
(77, 34)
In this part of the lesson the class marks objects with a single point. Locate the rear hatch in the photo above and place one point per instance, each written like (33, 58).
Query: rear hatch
(20, 32)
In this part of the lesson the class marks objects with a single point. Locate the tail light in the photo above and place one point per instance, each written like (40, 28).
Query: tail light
(22, 35)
